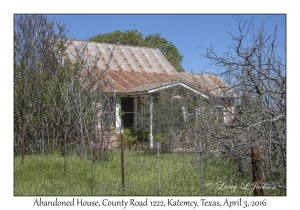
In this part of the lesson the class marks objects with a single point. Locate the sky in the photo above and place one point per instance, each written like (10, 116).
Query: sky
(186, 31)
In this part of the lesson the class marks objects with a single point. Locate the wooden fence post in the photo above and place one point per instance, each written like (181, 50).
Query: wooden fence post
(256, 170)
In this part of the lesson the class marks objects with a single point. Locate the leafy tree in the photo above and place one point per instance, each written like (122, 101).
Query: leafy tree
(135, 38)
(132, 37)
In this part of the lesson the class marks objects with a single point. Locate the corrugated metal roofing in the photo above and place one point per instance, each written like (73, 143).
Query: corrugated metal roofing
(124, 58)
(134, 69)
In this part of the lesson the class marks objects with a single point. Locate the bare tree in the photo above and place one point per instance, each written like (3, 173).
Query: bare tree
(257, 72)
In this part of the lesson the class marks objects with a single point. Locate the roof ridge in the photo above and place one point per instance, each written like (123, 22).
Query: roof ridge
(88, 41)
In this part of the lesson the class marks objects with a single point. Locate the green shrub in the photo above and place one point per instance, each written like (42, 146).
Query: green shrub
(129, 138)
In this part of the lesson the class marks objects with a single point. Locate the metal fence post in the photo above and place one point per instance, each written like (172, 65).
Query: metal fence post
(158, 169)
(201, 170)
(122, 161)
(23, 144)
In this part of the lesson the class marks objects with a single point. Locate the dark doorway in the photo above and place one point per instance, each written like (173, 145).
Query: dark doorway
(127, 105)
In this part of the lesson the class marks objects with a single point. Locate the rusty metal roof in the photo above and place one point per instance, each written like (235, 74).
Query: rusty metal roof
(121, 57)
(136, 69)
(208, 84)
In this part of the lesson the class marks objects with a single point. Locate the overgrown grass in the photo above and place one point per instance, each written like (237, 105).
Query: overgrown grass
(179, 175)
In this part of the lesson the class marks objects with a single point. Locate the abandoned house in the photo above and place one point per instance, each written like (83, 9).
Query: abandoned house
(137, 73)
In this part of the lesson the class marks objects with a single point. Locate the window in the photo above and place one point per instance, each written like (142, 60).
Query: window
(106, 114)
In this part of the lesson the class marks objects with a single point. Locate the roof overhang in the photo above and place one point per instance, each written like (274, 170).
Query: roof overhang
(177, 84)
(162, 87)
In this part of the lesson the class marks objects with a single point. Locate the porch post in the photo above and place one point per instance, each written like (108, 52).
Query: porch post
(151, 120)
(118, 117)
(135, 113)
(197, 112)
(198, 109)
(184, 114)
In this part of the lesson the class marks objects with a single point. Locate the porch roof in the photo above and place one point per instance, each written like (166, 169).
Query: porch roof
(141, 82)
